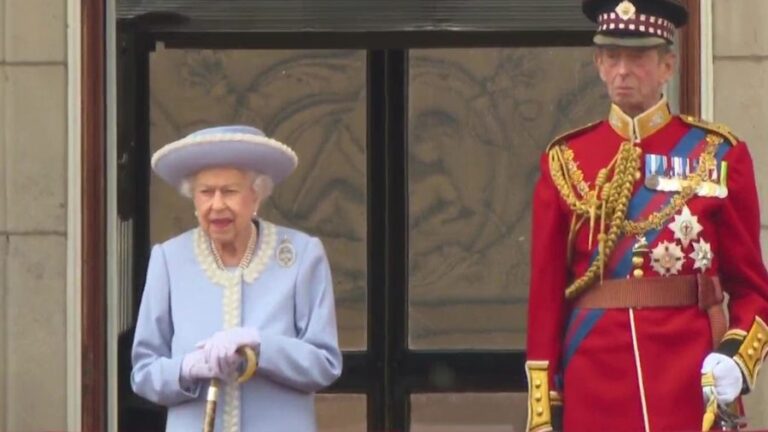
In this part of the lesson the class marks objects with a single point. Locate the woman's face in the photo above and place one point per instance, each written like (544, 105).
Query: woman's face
(225, 202)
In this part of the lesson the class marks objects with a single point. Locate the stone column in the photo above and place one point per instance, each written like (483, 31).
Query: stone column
(33, 179)
(741, 102)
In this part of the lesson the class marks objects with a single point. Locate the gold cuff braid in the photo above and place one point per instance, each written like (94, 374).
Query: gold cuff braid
(752, 351)
(539, 409)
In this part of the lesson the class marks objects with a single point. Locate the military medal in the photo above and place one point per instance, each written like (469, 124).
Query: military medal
(716, 186)
(686, 226)
(285, 253)
(667, 258)
(655, 171)
(670, 174)
(666, 174)
(702, 255)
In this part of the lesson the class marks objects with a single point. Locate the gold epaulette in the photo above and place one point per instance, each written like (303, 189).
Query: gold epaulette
(572, 133)
(718, 128)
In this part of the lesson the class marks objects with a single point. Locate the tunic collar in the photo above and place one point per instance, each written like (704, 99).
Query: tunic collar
(642, 126)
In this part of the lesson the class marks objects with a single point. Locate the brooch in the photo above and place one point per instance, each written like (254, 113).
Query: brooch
(285, 253)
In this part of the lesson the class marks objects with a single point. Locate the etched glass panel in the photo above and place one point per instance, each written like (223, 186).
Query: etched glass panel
(479, 120)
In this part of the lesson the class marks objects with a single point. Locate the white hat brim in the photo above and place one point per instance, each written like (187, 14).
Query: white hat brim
(186, 157)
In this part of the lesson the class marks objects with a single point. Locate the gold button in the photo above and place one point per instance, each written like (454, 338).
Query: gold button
(637, 261)
(755, 345)
(638, 273)
(539, 411)
(537, 383)
(760, 336)
(537, 396)
(750, 352)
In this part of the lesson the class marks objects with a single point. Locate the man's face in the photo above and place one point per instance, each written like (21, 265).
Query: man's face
(634, 77)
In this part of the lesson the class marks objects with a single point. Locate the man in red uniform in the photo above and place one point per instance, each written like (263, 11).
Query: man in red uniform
(640, 222)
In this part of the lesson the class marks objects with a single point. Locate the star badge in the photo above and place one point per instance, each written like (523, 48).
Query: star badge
(625, 10)
(657, 119)
(702, 255)
(667, 258)
(686, 227)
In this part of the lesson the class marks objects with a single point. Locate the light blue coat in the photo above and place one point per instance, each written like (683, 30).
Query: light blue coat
(290, 302)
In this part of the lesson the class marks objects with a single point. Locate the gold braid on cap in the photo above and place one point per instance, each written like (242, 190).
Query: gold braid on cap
(609, 200)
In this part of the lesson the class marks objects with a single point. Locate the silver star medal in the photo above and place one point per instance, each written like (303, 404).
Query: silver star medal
(285, 253)
(686, 227)
(702, 255)
(667, 258)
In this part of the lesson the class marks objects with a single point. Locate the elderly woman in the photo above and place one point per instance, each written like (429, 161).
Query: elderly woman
(234, 281)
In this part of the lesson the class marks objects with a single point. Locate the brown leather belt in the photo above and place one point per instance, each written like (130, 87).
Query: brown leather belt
(675, 291)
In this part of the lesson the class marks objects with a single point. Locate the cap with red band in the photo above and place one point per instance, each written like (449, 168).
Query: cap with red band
(635, 23)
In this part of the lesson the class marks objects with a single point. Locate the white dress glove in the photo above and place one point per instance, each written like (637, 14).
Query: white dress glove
(195, 367)
(728, 377)
(221, 349)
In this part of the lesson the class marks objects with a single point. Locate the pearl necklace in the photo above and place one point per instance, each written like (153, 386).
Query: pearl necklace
(249, 249)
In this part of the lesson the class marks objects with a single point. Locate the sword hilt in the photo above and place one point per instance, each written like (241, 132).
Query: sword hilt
(710, 401)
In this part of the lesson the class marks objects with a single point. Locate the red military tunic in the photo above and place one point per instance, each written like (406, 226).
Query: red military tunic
(623, 369)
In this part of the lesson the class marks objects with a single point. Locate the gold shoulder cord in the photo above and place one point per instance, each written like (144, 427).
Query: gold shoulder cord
(609, 200)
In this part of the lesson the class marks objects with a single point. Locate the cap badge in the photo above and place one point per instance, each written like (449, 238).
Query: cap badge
(625, 10)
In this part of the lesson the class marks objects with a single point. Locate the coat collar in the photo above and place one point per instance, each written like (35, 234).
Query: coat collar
(642, 126)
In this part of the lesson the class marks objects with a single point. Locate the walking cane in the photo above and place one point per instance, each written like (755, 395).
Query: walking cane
(251, 363)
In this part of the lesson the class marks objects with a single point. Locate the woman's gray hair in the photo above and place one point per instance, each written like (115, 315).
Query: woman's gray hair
(262, 184)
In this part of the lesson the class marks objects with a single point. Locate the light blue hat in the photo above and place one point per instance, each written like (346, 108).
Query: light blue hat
(242, 147)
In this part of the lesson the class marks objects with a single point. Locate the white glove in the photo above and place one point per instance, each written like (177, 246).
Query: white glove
(221, 349)
(194, 367)
(728, 378)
